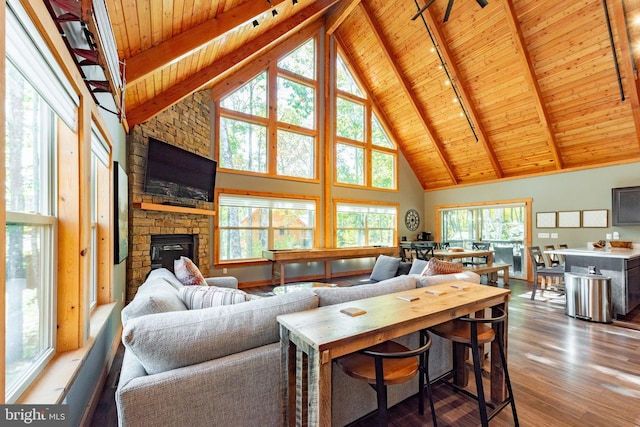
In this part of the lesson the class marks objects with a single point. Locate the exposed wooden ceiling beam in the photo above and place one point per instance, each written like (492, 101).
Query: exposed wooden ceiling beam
(530, 74)
(627, 67)
(404, 83)
(462, 91)
(166, 53)
(227, 63)
(339, 13)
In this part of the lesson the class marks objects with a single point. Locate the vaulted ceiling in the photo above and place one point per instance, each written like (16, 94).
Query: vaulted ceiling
(513, 89)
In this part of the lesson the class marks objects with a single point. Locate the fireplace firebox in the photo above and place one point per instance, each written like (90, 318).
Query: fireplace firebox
(166, 248)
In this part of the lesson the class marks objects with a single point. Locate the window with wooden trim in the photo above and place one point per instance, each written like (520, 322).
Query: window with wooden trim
(280, 103)
(364, 154)
(365, 224)
(30, 233)
(249, 224)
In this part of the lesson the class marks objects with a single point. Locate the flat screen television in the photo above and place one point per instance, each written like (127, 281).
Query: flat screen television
(174, 172)
(625, 205)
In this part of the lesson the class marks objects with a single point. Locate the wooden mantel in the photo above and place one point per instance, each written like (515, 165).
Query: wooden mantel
(171, 208)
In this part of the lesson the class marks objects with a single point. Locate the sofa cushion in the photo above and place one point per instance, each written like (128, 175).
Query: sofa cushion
(403, 268)
(162, 342)
(385, 267)
(188, 273)
(154, 296)
(436, 266)
(197, 297)
(166, 275)
(330, 296)
(417, 266)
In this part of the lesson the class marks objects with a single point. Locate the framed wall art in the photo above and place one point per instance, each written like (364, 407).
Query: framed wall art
(595, 218)
(546, 220)
(121, 213)
(569, 219)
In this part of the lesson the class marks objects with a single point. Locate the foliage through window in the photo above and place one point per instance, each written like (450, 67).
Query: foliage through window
(30, 238)
(364, 153)
(248, 119)
(365, 225)
(250, 224)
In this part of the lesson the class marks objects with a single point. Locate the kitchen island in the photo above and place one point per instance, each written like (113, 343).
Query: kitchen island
(622, 265)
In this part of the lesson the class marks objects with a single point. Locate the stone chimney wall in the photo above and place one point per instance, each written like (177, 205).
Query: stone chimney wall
(186, 125)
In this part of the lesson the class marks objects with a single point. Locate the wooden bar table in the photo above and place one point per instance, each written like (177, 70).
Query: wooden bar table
(312, 339)
(281, 257)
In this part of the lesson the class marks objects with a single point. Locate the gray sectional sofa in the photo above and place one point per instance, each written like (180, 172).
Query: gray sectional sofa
(220, 366)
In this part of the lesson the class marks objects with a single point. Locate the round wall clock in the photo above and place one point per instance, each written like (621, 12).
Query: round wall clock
(412, 219)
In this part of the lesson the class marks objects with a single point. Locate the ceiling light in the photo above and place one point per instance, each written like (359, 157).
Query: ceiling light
(274, 12)
(482, 3)
(255, 23)
(294, 2)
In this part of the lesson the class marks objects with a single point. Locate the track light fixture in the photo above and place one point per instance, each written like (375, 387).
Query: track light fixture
(255, 23)
(294, 2)
(274, 12)
(449, 81)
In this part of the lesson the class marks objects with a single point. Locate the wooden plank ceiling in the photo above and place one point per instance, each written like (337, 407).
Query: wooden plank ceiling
(528, 86)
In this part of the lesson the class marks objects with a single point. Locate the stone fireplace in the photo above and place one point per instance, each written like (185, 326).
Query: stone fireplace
(185, 125)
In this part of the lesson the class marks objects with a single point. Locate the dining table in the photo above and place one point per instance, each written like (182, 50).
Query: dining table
(448, 255)
(310, 340)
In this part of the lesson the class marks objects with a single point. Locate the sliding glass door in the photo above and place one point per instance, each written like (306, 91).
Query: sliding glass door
(502, 225)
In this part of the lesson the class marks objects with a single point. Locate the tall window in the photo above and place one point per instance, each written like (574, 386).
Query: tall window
(364, 153)
(248, 225)
(250, 117)
(99, 209)
(30, 232)
(360, 224)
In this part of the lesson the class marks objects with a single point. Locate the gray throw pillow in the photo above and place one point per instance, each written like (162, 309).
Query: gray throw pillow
(417, 266)
(385, 268)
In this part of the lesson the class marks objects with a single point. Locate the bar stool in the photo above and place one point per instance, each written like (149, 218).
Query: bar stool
(390, 363)
(473, 333)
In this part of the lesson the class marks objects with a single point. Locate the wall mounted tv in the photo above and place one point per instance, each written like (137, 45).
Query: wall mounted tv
(625, 205)
(174, 172)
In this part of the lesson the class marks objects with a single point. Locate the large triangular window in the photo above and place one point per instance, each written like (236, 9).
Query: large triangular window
(364, 154)
(279, 104)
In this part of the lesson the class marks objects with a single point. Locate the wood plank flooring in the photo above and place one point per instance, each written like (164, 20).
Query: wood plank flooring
(564, 372)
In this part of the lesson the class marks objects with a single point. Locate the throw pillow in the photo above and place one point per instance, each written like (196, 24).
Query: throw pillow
(197, 297)
(384, 268)
(436, 266)
(417, 266)
(187, 272)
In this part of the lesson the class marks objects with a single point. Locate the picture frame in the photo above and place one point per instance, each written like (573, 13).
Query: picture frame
(569, 219)
(596, 218)
(121, 213)
(546, 220)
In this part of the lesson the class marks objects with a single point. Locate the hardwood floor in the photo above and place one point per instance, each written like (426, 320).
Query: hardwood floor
(564, 372)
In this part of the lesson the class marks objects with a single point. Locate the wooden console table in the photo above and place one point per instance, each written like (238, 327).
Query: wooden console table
(279, 258)
(312, 339)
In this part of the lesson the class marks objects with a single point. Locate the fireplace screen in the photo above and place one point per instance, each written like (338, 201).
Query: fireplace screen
(166, 248)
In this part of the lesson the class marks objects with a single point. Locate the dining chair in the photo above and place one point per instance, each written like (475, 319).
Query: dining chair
(478, 260)
(390, 363)
(552, 259)
(541, 270)
(424, 250)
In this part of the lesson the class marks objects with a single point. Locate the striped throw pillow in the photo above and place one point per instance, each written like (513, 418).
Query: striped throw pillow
(197, 297)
